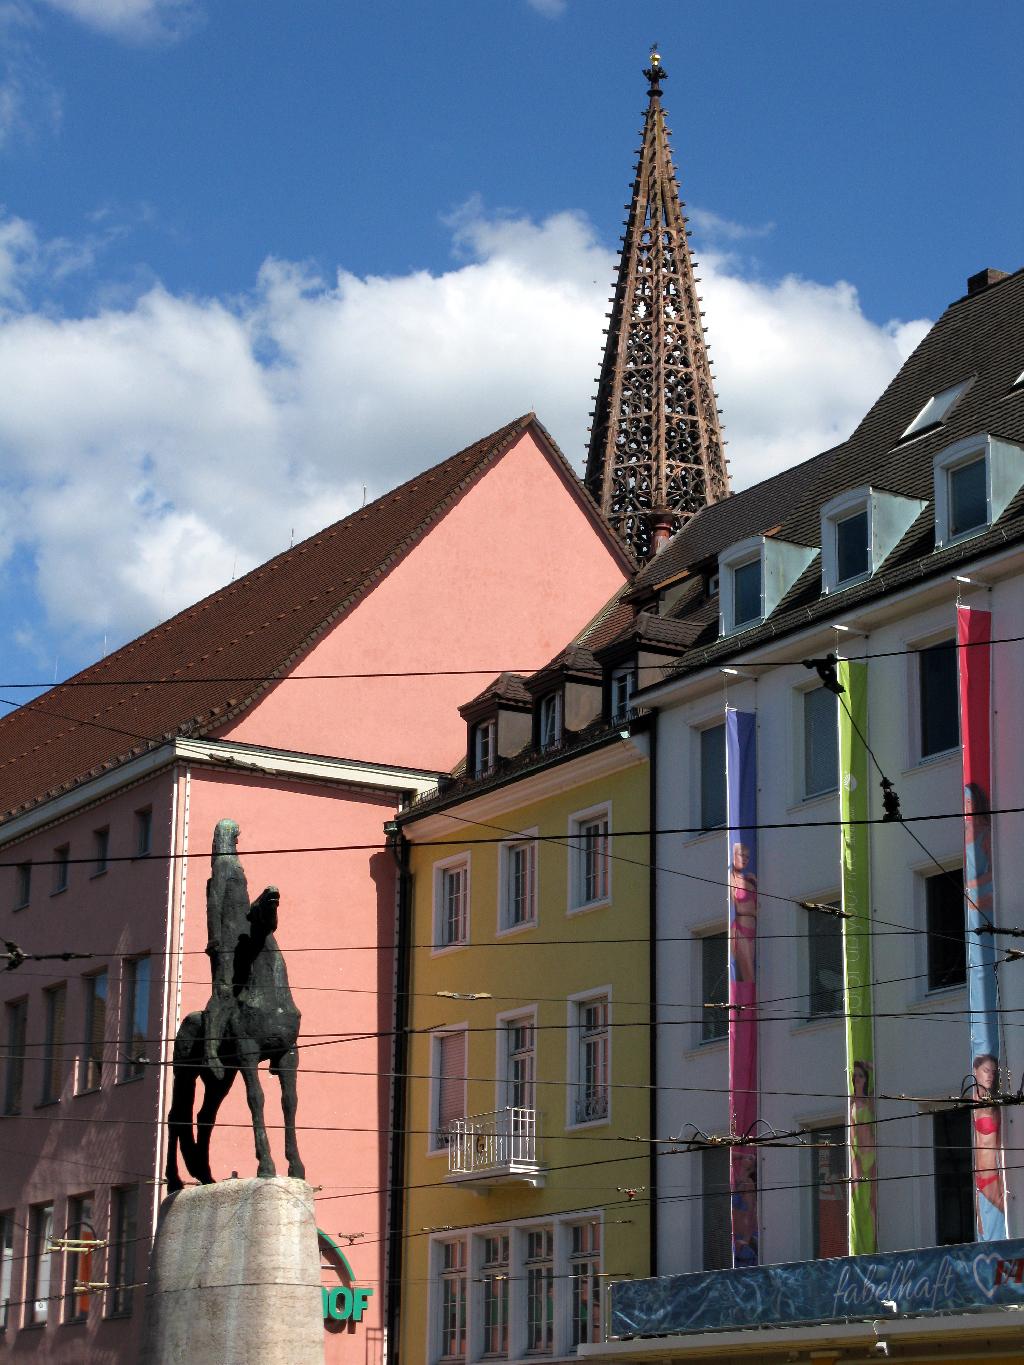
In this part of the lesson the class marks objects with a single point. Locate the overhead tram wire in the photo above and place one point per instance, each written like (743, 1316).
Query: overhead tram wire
(259, 678)
(382, 845)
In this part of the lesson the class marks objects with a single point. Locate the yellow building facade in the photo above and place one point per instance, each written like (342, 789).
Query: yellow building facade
(529, 1057)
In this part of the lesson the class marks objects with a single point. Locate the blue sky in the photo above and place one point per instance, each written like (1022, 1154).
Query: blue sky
(255, 255)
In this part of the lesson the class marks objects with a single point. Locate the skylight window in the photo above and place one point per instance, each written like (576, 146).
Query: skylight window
(936, 410)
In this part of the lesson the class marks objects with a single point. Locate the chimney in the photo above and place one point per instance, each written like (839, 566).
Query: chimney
(662, 523)
(977, 284)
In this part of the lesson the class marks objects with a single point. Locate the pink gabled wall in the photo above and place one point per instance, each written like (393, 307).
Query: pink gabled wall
(336, 924)
(503, 581)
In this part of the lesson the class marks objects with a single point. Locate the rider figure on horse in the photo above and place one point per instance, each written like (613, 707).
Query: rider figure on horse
(227, 921)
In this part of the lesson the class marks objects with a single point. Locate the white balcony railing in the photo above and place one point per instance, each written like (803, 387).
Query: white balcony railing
(503, 1143)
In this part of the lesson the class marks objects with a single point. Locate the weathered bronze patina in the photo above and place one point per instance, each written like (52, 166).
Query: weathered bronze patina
(251, 1018)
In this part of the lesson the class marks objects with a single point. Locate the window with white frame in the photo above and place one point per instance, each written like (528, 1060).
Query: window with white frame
(714, 984)
(550, 720)
(585, 1283)
(494, 1273)
(451, 1337)
(623, 684)
(484, 749)
(451, 903)
(449, 1072)
(712, 777)
(518, 870)
(540, 1291)
(520, 1063)
(975, 481)
(820, 741)
(590, 1062)
(715, 1206)
(755, 575)
(589, 845)
(938, 698)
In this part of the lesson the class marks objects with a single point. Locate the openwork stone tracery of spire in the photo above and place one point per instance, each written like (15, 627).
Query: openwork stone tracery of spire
(656, 453)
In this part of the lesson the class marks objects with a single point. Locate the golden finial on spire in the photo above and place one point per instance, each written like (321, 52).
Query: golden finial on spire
(655, 72)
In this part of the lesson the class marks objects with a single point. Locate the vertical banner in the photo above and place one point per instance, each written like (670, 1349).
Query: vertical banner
(974, 634)
(854, 810)
(741, 795)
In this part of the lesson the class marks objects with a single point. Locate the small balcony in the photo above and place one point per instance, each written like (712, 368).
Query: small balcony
(496, 1148)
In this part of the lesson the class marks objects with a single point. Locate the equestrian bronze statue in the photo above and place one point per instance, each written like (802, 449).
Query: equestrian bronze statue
(251, 1018)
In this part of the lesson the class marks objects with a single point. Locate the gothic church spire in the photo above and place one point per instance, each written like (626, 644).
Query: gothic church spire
(656, 453)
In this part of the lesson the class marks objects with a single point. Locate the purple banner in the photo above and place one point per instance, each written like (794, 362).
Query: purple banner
(741, 795)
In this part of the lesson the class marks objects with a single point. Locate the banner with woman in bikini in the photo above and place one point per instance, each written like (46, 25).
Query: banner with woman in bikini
(974, 635)
(741, 796)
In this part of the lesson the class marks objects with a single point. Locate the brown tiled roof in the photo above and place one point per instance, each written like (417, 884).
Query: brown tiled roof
(980, 336)
(251, 632)
(573, 661)
(506, 687)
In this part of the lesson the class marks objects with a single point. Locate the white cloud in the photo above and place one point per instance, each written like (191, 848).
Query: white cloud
(135, 20)
(154, 447)
(551, 9)
(712, 227)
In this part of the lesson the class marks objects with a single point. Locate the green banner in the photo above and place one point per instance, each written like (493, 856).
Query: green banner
(854, 808)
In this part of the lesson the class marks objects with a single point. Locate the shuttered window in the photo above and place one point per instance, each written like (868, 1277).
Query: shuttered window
(716, 1233)
(53, 1055)
(451, 1084)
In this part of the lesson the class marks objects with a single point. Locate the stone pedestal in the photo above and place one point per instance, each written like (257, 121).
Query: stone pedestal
(235, 1277)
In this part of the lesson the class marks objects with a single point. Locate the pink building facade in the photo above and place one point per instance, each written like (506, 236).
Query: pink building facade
(110, 797)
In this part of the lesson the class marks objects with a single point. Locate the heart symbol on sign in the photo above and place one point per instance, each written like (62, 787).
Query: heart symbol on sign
(984, 1268)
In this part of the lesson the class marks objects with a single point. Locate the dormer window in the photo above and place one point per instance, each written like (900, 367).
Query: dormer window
(852, 550)
(746, 593)
(623, 684)
(859, 531)
(754, 577)
(550, 720)
(968, 498)
(484, 748)
(936, 410)
(975, 481)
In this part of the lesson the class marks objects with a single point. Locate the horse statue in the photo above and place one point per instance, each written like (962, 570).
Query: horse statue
(251, 1018)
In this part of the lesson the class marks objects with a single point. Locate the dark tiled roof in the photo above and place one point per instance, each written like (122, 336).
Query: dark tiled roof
(979, 336)
(251, 631)
(506, 687)
(573, 661)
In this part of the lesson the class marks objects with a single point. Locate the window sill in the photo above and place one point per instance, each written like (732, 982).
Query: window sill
(34, 1326)
(928, 1000)
(442, 949)
(587, 906)
(815, 1023)
(47, 1104)
(100, 872)
(504, 930)
(707, 1046)
(933, 760)
(91, 1090)
(57, 891)
(122, 1316)
(804, 803)
(23, 906)
(705, 836)
(588, 1123)
(130, 1080)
